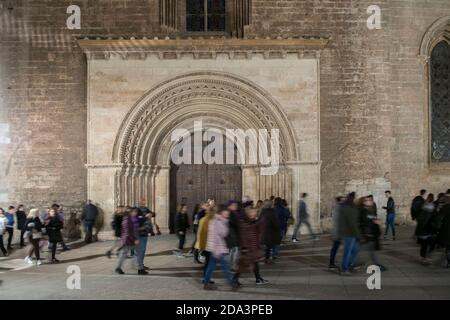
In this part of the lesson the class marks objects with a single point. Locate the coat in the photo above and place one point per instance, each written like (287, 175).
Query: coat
(416, 206)
(202, 232)
(129, 233)
(283, 216)
(53, 227)
(444, 232)
(348, 222)
(217, 233)
(21, 219)
(116, 224)
(181, 222)
(234, 235)
(251, 236)
(271, 235)
(427, 221)
(90, 213)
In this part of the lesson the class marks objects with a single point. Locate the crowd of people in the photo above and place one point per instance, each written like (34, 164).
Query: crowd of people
(238, 235)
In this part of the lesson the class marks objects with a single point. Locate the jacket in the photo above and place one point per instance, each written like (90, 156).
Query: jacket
(390, 206)
(427, 221)
(181, 222)
(251, 236)
(116, 225)
(234, 235)
(90, 212)
(202, 232)
(217, 232)
(53, 227)
(283, 216)
(348, 222)
(33, 226)
(21, 219)
(369, 229)
(416, 206)
(302, 211)
(144, 224)
(271, 235)
(129, 233)
(10, 218)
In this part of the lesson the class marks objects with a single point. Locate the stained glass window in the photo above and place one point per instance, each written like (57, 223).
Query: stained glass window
(440, 102)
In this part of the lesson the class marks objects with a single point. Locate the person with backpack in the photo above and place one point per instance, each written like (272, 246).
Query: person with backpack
(116, 225)
(3, 223)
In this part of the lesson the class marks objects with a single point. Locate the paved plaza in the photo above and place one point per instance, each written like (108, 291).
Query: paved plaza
(300, 273)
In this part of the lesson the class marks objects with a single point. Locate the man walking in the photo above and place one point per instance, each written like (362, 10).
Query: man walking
(90, 212)
(390, 215)
(302, 218)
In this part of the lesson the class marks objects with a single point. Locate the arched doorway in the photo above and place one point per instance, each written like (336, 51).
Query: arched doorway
(191, 184)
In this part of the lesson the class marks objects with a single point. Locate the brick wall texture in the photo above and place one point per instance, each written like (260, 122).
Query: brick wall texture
(373, 91)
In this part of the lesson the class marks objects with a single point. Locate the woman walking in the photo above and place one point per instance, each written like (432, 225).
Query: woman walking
(424, 231)
(3, 223)
(202, 237)
(216, 244)
(33, 229)
(251, 251)
(129, 237)
(53, 226)
(181, 225)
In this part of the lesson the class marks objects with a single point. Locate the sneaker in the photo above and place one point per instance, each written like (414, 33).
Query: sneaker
(142, 272)
(262, 281)
(294, 240)
(189, 254)
(28, 260)
(38, 263)
(146, 268)
(333, 267)
(119, 271)
(55, 261)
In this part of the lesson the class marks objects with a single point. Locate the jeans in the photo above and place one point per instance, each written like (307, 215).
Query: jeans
(10, 236)
(225, 268)
(334, 250)
(207, 256)
(299, 224)
(390, 222)
(141, 248)
(88, 226)
(351, 249)
(181, 240)
(123, 255)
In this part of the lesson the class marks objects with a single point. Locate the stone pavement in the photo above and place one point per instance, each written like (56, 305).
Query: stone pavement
(300, 273)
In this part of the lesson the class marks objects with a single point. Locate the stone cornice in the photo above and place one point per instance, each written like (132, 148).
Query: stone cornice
(200, 48)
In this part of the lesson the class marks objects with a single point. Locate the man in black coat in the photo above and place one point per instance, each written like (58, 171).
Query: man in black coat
(89, 215)
(21, 219)
(271, 236)
(417, 203)
(444, 232)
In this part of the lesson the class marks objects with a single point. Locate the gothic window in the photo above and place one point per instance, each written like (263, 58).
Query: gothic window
(440, 102)
(205, 15)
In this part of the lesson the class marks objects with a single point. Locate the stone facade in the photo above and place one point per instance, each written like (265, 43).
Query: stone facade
(373, 92)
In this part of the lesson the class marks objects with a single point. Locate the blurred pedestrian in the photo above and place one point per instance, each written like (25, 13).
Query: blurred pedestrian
(271, 236)
(425, 230)
(144, 229)
(335, 232)
(129, 237)
(3, 223)
(444, 232)
(417, 203)
(116, 225)
(303, 218)
(181, 226)
(216, 244)
(33, 227)
(10, 225)
(202, 237)
(234, 234)
(283, 217)
(349, 232)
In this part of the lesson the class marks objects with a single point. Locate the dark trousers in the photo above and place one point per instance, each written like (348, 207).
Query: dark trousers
(54, 245)
(34, 247)
(426, 246)
(10, 236)
(22, 240)
(2, 246)
(334, 250)
(181, 240)
(88, 226)
(255, 272)
(195, 228)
